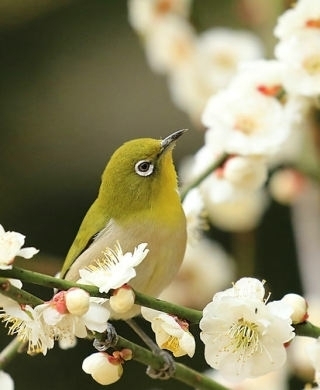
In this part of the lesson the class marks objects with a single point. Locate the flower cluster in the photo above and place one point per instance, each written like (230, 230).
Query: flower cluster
(196, 65)
(255, 110)
(73, 313)
(69, 314)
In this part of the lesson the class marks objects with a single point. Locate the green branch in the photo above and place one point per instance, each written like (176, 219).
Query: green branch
(182, 373)
(10, 351)
(307, 329)
(15, 293)
(220, 161)
(190, 315)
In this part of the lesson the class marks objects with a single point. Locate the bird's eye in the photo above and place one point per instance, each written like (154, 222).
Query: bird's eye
(144, 168)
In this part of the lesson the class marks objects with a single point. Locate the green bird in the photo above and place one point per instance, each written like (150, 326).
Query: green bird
(138, 201)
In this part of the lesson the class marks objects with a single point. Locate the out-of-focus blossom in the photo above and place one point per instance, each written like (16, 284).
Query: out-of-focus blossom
(302, 76)
(11, 244)
(299, 349)
(239, 213)
(171, 332)
(264, 76)
(304, 15)
(246, 173)
(275, 380)
(206, 269)
(170, 45)
(190, 89)
(193, 207)
(245, 122)
(221, 50)
(6, 382)
(286, 185)
(314, 355)
(243, 335)
(144, 15)
(302, 61)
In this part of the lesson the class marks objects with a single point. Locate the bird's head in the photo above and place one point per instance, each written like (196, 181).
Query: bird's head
(139, 174)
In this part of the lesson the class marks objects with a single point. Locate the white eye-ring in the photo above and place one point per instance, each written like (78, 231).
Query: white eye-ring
(144, 168)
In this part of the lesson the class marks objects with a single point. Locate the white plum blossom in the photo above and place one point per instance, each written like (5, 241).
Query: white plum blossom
(304, 15)
(232, 211)
(302, 75)
(170, 45)
(313, 351)
(26, 323)
(67, 326)
(245, 173)
(295, 27)
(189, 88)
(244, 336)
(171, 333)
(114, 268)
(245, 122)
(144, 15)
(286, 185)
(11, 244)
(264, 76)
(221, 50)
(193, 207)
(6, 382)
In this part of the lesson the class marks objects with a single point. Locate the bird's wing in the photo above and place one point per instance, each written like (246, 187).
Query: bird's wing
(94, 221)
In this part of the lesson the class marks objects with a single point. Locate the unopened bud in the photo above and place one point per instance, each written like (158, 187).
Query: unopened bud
(286, 185)
(104, 368)
(77, 301)
(122, 299)
(299, 306)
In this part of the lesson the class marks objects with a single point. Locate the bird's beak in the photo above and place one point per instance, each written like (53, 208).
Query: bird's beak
(165, 143)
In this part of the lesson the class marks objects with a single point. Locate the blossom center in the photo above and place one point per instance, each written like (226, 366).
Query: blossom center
(244, 337)
(312, 64)
(171, 344)
(246, 124)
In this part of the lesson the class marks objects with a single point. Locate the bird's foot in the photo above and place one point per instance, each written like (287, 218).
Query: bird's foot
(111, 338)
(168, 368)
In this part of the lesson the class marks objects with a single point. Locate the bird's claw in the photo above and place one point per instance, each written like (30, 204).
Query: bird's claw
(166, 371)
(111, 338)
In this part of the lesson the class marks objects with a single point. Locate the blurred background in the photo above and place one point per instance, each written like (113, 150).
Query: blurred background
(74, 85)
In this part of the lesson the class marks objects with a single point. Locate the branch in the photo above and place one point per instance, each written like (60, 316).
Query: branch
(190, 315)
(15, 293)
(307, 329)
(10, 352)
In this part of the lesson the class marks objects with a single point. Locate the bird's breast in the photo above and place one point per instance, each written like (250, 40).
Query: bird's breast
(166, 244)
